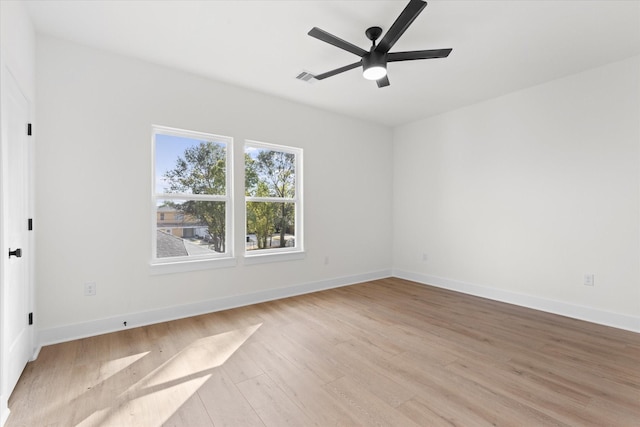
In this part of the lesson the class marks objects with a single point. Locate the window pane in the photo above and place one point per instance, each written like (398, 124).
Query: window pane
(269, 173)
(270, 225)
(190, 228)
(189, 165)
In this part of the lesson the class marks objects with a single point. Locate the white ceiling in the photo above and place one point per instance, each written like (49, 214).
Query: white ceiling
(498, 46)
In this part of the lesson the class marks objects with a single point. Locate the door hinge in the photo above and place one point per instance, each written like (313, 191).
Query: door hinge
(30, 224)
(29, 129)
(31, 318)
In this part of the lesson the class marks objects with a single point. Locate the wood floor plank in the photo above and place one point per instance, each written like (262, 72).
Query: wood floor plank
(240, 366)
(301, 385)
(225, 404)
(547, 398)
(386, 352)
(329, 328)
(364, 369)
(190, 413)
(365, 406)
(300, 356)
(461, 401)
(272, 405)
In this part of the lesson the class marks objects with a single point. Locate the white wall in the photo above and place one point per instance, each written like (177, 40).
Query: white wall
(17, 56)
(517, 197)
(18, 40)
(514, 199)
(94, 140)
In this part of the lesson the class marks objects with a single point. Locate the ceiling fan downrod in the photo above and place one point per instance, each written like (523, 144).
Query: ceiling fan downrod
(373, 33)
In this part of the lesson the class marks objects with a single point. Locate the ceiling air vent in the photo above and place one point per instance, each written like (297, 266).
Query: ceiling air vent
(306, 77)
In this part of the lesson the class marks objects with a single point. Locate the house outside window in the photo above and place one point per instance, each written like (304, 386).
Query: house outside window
(192, 201)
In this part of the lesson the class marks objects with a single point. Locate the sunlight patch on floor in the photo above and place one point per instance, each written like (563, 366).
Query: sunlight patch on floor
(112, 367)
(159, 394)
(148, 409)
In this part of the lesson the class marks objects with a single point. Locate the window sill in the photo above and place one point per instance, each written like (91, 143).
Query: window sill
(192, 265)
(209, 264)
(265, 258)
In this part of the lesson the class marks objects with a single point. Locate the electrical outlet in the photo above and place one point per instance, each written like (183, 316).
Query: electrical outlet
(589, 279)
(89, 289)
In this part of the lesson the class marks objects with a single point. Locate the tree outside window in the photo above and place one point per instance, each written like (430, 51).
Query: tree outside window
(272, 197)
(192, 193)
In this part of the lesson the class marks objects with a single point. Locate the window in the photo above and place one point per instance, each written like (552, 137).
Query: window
(273, 189)
(192, 198)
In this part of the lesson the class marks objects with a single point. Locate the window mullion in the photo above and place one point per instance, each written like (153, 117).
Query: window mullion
(189, 196)
(271, 199)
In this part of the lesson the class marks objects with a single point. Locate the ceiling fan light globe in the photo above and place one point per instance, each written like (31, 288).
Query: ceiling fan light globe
(375, 72)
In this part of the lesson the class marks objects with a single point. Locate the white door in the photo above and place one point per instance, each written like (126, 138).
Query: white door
(17, 341)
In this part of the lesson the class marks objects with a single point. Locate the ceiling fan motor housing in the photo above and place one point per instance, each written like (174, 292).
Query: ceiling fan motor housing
(374, 60)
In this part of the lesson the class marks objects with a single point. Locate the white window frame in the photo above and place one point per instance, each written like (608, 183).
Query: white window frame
(206, 261)
(278, 254)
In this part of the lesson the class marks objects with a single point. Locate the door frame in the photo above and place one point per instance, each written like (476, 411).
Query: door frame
(5, 75)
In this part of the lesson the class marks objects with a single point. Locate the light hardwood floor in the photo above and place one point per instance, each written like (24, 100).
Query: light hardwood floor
(388, 352)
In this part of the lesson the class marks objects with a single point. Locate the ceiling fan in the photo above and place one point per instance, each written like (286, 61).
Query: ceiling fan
(374, 62)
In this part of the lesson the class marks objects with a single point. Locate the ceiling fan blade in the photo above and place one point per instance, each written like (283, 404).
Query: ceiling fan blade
(383, 82)
(418, 54)
(336, 41)
(408, 15)
(338, 70)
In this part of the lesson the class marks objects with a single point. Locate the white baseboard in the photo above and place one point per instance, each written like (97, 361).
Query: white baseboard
(112, 324)
(616, 320)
